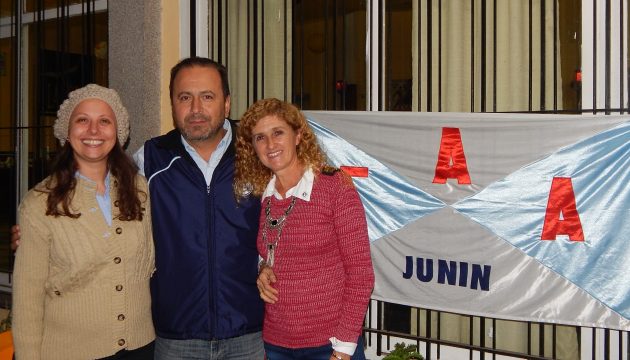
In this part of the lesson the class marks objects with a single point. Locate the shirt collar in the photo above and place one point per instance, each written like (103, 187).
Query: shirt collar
(92, 182)
(221, 147)
(302, 190)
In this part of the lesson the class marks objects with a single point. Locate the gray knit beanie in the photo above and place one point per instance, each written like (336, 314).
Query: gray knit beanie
(92, 91)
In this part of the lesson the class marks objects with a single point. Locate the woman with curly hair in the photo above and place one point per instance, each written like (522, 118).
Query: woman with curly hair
(82, 270)
(316, 276)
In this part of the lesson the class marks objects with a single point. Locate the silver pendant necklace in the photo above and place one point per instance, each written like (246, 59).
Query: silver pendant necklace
(274, 224)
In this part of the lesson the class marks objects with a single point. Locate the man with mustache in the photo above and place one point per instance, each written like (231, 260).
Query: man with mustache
(205, 300)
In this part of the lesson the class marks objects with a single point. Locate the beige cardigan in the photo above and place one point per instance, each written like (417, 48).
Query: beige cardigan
(81, 287)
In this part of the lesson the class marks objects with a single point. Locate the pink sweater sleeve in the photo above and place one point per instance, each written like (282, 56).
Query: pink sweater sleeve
(354, 247)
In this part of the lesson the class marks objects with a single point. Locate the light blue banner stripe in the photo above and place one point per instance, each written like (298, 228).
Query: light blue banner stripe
(599, 167)
(390, 201)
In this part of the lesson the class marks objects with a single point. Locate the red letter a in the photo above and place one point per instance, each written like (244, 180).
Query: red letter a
(451, 148)
(562, 200)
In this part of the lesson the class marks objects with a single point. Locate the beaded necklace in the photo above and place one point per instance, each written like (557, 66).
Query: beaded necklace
(274, 224)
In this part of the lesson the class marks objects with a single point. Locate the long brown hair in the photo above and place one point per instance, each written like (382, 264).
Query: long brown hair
(62, 183)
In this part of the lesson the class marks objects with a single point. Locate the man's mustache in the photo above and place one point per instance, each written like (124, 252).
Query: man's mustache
(194, 117)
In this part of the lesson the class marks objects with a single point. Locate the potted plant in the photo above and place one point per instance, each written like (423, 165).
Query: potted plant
(404, 352)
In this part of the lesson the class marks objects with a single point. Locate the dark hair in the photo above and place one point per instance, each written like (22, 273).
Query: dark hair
(202, 62)
(62, 182)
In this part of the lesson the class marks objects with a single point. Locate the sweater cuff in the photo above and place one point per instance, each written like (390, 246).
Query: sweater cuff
(342, 346)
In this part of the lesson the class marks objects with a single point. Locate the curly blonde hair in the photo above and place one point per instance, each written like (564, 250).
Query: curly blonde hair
(250, 175)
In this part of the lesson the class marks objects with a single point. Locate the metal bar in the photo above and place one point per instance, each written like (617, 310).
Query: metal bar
(606, 344)
(439, 322)
(418, 329)
(594, 55)
(530, 79)
(379, 327)
(455, 344)
(262, 51)
(430, 55)
(227, 34)
(555, 57)
(388, 52)
(594, 346)
(494, 57)
(302, 56)
(248, 62)
(38, 83)
(472, 55)
(193, 28)
(368, 339)
(286, 53)
(553, 337)
(608, 58)
(494, 338)
(626, 103)
(620, 342)
(471, 325)
(429, 334)
(482, 336)
(211, 28)
(343, 55)
(622, 69)
(483, 50)
(93, 41)
(529, 338)
(334, 52)
(59, 43)
(380, 54)
(543, 53)
(439, 58)
(541, 339)
(254, 49)
(579, 338)
(420, 55)
(219, 46)
(16, 110)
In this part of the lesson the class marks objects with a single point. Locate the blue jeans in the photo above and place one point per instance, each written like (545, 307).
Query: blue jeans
(313, 353)
(246, 347)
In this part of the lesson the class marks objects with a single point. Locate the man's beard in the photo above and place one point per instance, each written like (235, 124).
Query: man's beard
(191, 135)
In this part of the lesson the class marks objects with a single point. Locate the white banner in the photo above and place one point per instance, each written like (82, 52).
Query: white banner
(522, 217)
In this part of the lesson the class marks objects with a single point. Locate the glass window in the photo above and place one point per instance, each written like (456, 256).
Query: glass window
(59, 51)
(397, 59)
(329, 68)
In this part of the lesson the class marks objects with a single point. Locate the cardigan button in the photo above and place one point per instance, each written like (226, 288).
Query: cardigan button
(116, 203)
(119, 287)
(121, 342)
(117, 260)
(57, 292)
(121, 317)
(118, 230)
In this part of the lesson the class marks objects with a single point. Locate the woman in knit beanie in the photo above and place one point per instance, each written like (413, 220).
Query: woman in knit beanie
(316, 276)
(81, 275)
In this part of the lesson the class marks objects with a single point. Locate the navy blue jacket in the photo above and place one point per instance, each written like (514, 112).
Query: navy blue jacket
(206, 258)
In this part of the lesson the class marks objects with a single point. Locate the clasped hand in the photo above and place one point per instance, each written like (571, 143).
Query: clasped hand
(266, 277)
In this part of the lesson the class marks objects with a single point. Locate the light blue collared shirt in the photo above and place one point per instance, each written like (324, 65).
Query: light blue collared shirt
(207, 167)
(104, 201)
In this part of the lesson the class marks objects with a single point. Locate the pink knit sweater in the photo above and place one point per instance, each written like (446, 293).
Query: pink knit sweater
(323, 266)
